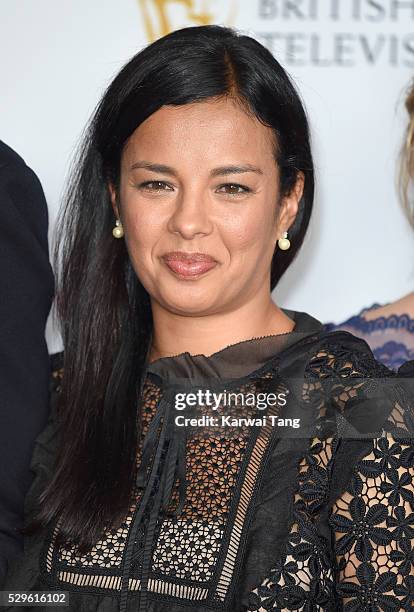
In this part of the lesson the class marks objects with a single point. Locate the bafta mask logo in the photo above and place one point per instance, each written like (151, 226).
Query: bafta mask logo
(163, 16)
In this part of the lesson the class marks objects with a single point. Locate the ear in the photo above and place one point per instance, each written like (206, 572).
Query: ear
(289, 206)
(113, 196)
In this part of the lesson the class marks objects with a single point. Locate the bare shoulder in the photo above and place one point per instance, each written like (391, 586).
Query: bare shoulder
(404, 305)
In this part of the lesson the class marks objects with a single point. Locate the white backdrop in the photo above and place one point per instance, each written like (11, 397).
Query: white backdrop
(352, 61)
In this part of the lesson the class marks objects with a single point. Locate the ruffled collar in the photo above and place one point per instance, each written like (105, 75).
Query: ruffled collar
(235, 360)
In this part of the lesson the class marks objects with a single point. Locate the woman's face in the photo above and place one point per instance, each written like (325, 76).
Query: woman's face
(202, 178)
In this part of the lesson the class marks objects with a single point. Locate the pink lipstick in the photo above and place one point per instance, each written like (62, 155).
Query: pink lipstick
(189, 265)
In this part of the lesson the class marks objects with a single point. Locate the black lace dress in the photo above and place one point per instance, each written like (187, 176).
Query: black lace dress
(299, 496)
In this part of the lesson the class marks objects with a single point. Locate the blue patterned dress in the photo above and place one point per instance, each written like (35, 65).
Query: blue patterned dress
(391, 338)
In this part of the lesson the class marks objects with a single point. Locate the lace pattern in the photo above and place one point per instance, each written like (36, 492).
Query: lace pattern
(187, 548)
(350, 521)
(391, 338)
(303, 576)
(371, 567)
(374, 529)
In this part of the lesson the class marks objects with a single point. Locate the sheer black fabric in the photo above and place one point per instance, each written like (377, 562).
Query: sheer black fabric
(253, 515)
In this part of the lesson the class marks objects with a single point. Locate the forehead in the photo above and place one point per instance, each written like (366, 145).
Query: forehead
(204, 130)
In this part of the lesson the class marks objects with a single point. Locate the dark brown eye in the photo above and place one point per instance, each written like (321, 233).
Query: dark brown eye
(154, 186)
(235, 189)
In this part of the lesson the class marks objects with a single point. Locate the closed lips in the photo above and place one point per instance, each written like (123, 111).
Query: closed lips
(189, 265)
(188, 257)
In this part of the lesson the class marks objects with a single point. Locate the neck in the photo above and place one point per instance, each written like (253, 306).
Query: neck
(174, 334)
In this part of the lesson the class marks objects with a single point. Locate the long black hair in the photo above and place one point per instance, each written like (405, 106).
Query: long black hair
(104, 310)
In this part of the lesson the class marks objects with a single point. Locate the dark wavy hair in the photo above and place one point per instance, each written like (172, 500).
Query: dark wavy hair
(104, 310)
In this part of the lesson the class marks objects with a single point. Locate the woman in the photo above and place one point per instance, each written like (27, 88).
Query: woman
(389, 328)
(170, 488)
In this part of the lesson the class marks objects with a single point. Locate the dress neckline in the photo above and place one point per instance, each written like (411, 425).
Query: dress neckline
(234, 361)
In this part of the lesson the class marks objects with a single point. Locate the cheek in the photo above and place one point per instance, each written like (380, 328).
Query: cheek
(142, 228)
(142, 234)
(249, 231)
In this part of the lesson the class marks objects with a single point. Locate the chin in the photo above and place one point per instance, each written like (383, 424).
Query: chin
(187, 305)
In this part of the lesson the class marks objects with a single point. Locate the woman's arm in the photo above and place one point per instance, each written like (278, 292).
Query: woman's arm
(352, 537)
(373, 526)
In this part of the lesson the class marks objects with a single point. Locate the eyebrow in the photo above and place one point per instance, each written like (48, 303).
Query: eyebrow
(220, 171)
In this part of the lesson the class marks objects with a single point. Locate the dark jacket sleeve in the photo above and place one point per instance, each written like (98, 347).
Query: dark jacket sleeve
(25, 301)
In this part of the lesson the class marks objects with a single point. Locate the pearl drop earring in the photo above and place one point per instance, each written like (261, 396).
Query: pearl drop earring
(118, 230)
(284, 243)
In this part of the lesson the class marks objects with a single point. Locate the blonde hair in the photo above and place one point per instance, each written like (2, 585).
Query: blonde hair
(406, 168)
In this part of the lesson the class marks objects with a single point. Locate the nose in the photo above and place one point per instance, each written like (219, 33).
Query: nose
(190, 215)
